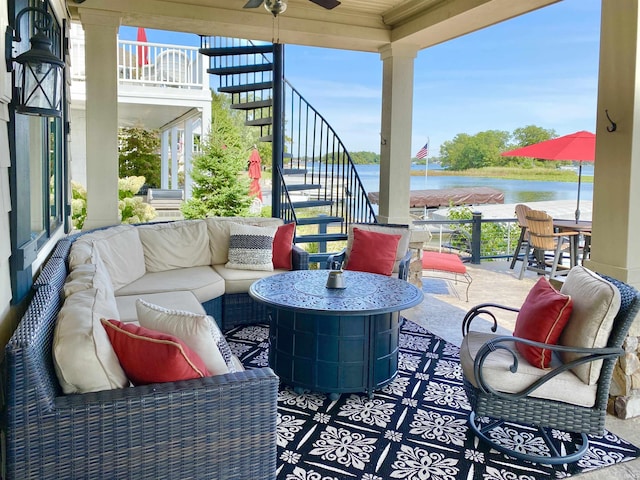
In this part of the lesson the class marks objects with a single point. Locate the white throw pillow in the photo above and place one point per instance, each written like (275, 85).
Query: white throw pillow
(250, 248)
(193, 329)
(83, 357)
(172, 245)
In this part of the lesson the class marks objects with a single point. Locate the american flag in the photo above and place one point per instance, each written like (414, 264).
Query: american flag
(424, 151)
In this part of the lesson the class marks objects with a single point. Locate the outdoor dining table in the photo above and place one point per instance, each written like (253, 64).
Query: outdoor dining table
(582, 227)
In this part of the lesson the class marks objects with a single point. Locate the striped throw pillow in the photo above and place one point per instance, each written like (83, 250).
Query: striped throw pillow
(250, 247)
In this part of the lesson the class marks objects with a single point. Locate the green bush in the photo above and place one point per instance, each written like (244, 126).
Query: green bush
(132, 209)
(494, 239)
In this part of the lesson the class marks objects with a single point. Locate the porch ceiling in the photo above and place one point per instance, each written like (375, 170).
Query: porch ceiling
(365, 25)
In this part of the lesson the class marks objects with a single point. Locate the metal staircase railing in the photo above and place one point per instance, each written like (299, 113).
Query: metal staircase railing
(317, 180)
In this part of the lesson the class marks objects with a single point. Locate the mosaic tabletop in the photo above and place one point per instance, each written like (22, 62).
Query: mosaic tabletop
(364, 293)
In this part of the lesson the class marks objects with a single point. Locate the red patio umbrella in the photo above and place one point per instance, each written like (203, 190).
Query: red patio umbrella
(255, 173)
(579, 146)
(142, 50)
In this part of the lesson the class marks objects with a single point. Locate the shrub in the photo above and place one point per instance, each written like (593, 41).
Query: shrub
(131, 208)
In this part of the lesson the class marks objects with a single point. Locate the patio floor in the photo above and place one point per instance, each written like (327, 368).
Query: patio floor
(442, 314)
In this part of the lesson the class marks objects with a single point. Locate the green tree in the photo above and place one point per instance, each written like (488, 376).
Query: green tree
(474, 151)
(139, 154)
(219, 186)
(526, 136)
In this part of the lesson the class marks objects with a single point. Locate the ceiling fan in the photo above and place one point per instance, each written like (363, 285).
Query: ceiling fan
(279, 6)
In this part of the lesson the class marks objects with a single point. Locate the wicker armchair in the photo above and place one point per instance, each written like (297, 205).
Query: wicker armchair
(524, 394)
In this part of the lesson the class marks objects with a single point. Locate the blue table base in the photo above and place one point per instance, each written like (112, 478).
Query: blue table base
(334, 353)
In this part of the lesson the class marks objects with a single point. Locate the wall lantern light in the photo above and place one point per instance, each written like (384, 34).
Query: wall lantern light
(38, 77)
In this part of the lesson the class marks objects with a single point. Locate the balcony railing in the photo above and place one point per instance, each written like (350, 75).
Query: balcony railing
(151, 65)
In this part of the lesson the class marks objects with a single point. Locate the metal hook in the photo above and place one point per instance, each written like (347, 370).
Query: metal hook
(613, 126)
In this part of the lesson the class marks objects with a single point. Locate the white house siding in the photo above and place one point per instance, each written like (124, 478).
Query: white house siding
(7, 316)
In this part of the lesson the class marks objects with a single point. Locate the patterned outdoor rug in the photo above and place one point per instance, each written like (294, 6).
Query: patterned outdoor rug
(414, 429)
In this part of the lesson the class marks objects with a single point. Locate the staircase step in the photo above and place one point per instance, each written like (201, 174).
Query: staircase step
(241, 50)
(321, 237)
(310, 203)
(250, 87)
(263, 67)
(266, 138)
(323, 219)
(294, 171)
(257, 122)
(252, 105)
(298, 187)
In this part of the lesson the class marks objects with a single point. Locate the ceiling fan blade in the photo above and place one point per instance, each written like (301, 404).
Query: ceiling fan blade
(253, 4)
(328, 4)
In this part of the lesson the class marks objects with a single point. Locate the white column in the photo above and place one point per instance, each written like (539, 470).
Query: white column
(188, 153)
(395, 148)
(616, 191)
(100, 33)
(175, 138)
(164, 160)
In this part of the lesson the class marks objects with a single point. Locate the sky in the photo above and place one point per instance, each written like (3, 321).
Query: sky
(537, 69)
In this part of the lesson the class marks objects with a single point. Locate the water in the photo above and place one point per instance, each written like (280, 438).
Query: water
(515, 191)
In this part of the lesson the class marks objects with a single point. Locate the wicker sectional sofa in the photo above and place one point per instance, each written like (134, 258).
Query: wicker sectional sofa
(216, 427)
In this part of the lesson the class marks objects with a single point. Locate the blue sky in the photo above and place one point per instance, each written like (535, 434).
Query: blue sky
(538, 69)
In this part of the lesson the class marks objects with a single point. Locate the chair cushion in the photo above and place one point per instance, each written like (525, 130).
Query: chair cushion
(120, 249)
(565, 387)
(176, 300)
(445, 262)
(175, 245)
(239, 281)
(373, 252)
(204, 282)
(83, 358)
(148, 356)
(283, 246)
(250, 247)
(192, 328)
(542, 317)
(403, 244)
(595, 304)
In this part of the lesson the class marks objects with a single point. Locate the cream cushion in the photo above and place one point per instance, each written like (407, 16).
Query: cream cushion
(87, 276)
(177, 300)
(193, 329)
(239, 281)
(403, 244)
(565, 387)
(120, 250)
(83, 358)
(595, 304)
(219, 236)
(204, 282)
(172, 245)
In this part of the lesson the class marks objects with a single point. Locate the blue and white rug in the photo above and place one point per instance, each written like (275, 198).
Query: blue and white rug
(413, 429)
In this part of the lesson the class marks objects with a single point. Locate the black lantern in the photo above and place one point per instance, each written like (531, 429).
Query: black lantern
(39, 71)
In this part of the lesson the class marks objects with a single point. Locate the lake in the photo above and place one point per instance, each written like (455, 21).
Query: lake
(515, 191)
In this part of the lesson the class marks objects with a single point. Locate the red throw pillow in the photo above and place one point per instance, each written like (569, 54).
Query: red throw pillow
(282, 246)
(148, 356)
(373, 252)
(542, 317)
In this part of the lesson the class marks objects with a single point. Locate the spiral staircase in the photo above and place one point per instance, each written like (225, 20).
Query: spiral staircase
(314, 183)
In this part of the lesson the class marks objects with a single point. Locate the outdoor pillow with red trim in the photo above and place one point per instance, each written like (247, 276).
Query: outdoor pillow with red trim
(542, 317)
(148, 356)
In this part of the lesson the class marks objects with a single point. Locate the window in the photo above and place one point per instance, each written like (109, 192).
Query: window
(37, 174)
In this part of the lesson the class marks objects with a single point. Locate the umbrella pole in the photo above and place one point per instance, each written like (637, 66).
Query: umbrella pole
(579, 184)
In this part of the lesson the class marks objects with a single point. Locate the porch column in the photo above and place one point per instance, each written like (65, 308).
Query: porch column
(616, 192)
(395, 142)
(101, 67)
(164, 159)
(188, 153)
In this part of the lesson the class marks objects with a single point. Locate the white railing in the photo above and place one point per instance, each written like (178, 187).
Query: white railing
(150, 64)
